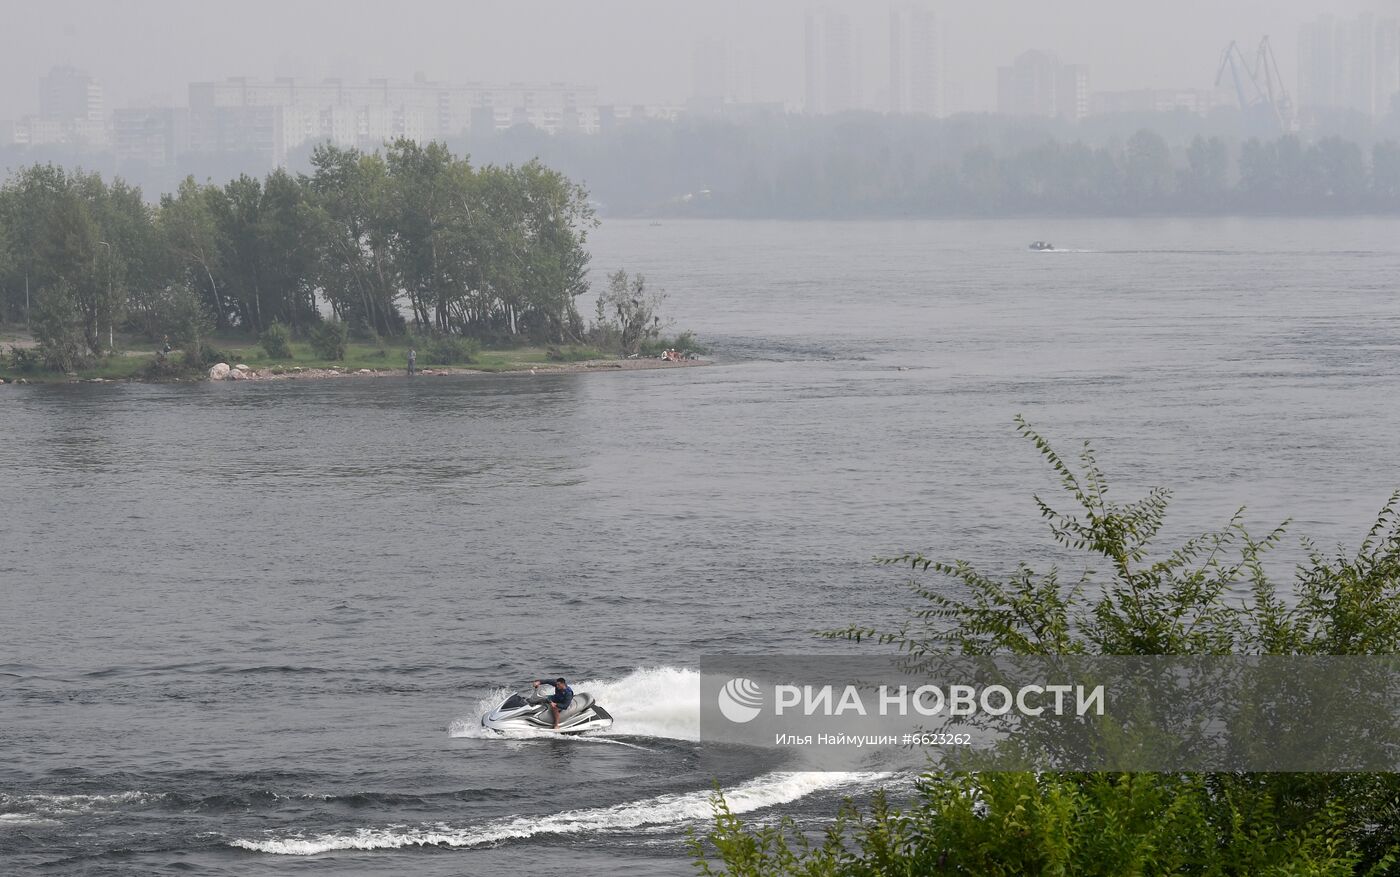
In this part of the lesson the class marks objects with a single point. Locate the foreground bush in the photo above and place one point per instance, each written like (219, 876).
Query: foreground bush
(276, 339)
(1013, 824)
(329, 339)
(451, 350)
(1210, 595)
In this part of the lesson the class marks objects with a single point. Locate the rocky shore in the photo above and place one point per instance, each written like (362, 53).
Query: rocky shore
(239, 372)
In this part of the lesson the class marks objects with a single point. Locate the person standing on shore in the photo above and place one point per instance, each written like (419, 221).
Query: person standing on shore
(412, 361)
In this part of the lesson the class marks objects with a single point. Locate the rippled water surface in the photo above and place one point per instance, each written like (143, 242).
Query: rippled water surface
(249, 628)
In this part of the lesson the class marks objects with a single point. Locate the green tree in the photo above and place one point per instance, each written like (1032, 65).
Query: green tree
(557, 219)
(58, 328)
(237, 214)
(26, 200)
(289, 232)
(428, 186)
(627, 314)
(191, 232)
(329, 339)
(68, 255)
(353, 191)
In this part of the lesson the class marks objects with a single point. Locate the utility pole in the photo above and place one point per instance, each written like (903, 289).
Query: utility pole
(110, 345)
(26, 301)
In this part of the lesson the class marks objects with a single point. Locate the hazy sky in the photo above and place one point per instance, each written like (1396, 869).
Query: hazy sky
(635, 51)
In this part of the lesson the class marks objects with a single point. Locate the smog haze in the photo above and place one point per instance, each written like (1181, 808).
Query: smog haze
(634, 51)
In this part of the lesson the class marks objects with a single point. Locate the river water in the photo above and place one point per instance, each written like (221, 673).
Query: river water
(250, 628)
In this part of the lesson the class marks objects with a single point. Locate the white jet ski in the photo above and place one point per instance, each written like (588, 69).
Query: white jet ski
(522, 712)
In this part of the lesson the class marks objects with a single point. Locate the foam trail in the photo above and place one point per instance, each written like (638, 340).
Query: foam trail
(661, 702)
(39, 802)
(765, 791)
(7, 819)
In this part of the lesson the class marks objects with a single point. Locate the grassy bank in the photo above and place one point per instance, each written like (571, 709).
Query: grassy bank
(136, 365)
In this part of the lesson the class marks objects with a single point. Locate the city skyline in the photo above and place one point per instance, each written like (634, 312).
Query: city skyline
(631, 51)
(1344, 65)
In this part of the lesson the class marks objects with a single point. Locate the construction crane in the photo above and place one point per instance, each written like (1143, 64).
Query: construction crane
(1259, 86)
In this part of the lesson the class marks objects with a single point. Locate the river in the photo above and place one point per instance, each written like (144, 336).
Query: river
(249, 628)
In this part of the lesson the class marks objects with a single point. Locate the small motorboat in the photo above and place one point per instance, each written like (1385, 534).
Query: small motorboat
(1041, 246)
(522, 712)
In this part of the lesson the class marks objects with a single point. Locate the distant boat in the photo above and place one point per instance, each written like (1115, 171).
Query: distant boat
(1042, 245)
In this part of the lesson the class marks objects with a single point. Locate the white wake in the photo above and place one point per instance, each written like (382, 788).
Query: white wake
(657, 702)
(765, 791)
(662, 702)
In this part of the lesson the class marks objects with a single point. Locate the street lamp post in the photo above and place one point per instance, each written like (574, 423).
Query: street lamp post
(110, 344)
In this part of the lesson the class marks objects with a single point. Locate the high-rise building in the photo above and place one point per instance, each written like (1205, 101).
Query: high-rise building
(270, 118)
(70, 95)
(833, 63)
(1037, 84)
(916, 61)
(1387, 66)
(710, 74)
(711, 69)
(70, 113)
(151, 136)
(1351, 64)
(1072, 92)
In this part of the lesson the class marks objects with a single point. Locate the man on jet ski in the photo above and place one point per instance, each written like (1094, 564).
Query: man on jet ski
(561, 698)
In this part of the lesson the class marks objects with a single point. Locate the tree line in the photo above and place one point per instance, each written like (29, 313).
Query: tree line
(854, 165)
(412, 238)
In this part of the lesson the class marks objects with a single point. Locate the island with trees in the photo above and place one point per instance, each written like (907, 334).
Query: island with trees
(346, 267)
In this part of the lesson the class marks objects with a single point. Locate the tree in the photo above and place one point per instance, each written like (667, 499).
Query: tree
(289, 233)
(191, 232)
(427, 184)
(10, 302)
(236, 209)
(58, 328)
(137, 260)
(68, 256)
(353, 192)
(1148, 172)
(28, 198)
(626, 314)
(1385, 175)
(1205, 179)
(1335, 173)
(556, 219)
(498, 251)
(1260, 175)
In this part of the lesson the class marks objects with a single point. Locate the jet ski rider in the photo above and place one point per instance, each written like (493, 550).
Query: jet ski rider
(560, 700)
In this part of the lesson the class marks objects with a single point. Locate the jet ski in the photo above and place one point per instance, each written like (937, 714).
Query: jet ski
(1041, 246)
(522, 712)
